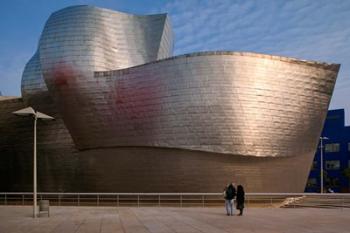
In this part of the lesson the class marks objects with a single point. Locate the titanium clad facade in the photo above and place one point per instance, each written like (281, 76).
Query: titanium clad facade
(223, 102)
(33, 83)
(77, 41)
(56, 151)
(131, 118)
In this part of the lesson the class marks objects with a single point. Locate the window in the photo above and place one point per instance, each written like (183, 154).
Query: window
(333, 147)
(332, 182)
(311, 183)
(314, 165)
(348, 146)
(333, 165)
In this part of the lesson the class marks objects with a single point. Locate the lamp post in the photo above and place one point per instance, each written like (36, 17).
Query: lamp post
(321, 172)
(37, 115)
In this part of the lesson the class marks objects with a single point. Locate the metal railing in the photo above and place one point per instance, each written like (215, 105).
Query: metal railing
(177, 199)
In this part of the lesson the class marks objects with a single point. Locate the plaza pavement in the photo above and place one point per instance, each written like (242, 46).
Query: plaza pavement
(16, 219)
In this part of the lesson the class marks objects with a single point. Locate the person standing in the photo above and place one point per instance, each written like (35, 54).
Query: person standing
(230, 193)
(240, 199)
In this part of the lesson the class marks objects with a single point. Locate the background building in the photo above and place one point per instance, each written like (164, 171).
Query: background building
(336, 156)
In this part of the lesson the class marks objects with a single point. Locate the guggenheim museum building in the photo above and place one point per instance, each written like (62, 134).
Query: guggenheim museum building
(131, 117)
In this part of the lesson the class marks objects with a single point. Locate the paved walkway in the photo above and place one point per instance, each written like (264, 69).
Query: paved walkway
(15, 219)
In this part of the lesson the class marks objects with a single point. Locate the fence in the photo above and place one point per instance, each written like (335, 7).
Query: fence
(177, 199)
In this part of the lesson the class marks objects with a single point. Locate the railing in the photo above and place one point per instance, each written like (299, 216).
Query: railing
(177, 199)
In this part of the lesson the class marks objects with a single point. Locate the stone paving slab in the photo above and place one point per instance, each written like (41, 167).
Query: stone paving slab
(18, 219)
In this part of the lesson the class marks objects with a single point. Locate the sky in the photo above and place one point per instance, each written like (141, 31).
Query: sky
(312, 30)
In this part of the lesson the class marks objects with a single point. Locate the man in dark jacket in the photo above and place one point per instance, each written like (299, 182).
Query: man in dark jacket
(230, 194)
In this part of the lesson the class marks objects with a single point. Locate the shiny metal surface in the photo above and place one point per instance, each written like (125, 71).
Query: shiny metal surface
(131, 118)
(79, 40)
(32, 80)
(88, 38)
(225, 102)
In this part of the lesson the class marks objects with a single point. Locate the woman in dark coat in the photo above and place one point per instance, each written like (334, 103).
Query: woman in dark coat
(240, 199)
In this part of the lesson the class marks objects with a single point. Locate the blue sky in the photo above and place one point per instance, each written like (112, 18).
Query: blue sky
(316, 30)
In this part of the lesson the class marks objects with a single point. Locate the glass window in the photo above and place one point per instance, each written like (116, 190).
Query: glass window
(332, 147)
(314, 165)
(332, 182)
(311, 183)
(333, 165)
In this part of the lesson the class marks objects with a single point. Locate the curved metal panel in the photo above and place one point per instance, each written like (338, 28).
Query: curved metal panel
(88, 38)
(33, 83)
(225, 102)
(77, 41)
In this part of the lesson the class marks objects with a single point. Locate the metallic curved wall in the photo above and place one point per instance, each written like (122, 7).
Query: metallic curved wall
(33, 83)
(224, 102)
(88, 38)
(131, 119)
(79, 40)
